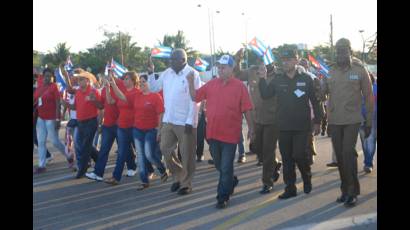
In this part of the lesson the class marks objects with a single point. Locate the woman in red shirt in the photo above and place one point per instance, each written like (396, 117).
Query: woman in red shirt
(125, 91)
(47, 99)
(148, 111)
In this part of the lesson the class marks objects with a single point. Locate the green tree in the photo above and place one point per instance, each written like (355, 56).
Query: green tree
(60, 54)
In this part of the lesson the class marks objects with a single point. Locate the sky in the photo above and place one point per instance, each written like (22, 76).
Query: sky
(80, 23)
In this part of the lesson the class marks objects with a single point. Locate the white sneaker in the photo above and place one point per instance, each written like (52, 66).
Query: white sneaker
(131, 173)
(93, 176)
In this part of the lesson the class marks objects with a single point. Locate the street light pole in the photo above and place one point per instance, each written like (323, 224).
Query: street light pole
(361, 34)
(119, 35)
(246, 41)
(211, 47)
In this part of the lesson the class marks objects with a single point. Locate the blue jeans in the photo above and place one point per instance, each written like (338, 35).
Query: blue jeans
(35, 141)
(108, 135)
(368, 145)
(241, 148)
(147, 147)
(223, 155)
(86, 131)
(46, 128)
(124, 137)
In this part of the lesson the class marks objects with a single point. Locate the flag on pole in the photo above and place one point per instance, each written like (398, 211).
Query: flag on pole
(117, 68)
(61, 83)
(324, 69)
(258, 47)
(200, 64)
(319, 64)
(69, 67)
(268, 56)
(161, 52)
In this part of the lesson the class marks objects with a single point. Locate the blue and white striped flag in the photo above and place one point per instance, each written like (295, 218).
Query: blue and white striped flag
(258, 47)
(69, 67)
(161, 52)
(268, 56)
(61, 84)
(323, 68)
(117, 68)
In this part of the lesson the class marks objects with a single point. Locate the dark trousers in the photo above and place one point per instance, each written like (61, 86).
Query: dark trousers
(265, 144)
(292, 145)
(311, 150)
(201, 136)
(324, 120)
(223, 155)
(86, 132)
(344, 138)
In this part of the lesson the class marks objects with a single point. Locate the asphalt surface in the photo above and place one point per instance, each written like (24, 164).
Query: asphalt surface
(61, 202)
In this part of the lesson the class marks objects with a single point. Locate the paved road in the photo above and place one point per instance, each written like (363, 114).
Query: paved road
(60, 202)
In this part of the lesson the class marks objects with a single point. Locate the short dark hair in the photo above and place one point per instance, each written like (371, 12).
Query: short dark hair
(145, 76)
(48, 70)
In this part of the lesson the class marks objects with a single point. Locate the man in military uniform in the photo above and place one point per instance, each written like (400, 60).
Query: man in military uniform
(348, 83)
(294, 90)
(263, 116)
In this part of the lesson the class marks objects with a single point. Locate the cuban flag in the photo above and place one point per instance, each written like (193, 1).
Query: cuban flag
(117, 68)
(161, 52)
(61, 84)
(324, 69)
(258, 47)
(268, 56)
(69, 67)
(200, 65)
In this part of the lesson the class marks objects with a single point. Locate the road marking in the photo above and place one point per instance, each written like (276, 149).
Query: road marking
(62, 178)
(341, 223)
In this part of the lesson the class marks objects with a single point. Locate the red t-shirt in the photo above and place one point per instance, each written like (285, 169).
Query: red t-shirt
(147, 109)
(126, 117)
(111, 112)
(85, 108)
(46, 97)
(225, 105)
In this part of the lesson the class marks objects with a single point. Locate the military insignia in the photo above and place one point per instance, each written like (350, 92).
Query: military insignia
(300, 83)
(354, 77)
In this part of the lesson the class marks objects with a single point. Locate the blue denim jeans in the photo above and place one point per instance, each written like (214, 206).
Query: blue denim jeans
(86, 131)
(35, 141)
(108, 135)
(147, 147)
(368, 145)
(125, 152)
(223, 155)
(46, 128)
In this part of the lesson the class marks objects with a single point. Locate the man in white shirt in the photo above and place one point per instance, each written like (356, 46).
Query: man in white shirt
(179, 121)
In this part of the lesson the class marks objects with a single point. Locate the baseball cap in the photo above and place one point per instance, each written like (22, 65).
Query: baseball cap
(226, 60)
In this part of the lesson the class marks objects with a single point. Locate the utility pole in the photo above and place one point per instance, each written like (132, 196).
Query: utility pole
(331, 38)
(122, 55)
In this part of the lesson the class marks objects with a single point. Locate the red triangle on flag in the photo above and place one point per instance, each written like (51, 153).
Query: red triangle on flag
(198, 62)
(155, 51)
(253, 42)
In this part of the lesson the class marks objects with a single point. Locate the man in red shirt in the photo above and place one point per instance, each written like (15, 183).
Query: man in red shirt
(87, 103)
(226, 100)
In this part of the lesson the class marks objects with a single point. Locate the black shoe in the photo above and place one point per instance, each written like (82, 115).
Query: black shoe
(235, 183)
(175, 186)
(350, 201)
(221, 205)
(266, 189)
(341, 199)
(241, 159)
(260, 163)
(287, 195)
(323, 133)
(307, 187)
(79, 175)
(332, 165)
(276, 172)
(184, 191)
(211, 162)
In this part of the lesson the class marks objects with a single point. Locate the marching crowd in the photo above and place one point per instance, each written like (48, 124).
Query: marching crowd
(163, 120)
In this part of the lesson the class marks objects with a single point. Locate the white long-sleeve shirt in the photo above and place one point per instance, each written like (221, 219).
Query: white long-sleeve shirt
(179, 108)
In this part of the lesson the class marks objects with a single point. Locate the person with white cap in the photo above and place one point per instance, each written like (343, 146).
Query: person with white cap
(227, 99)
